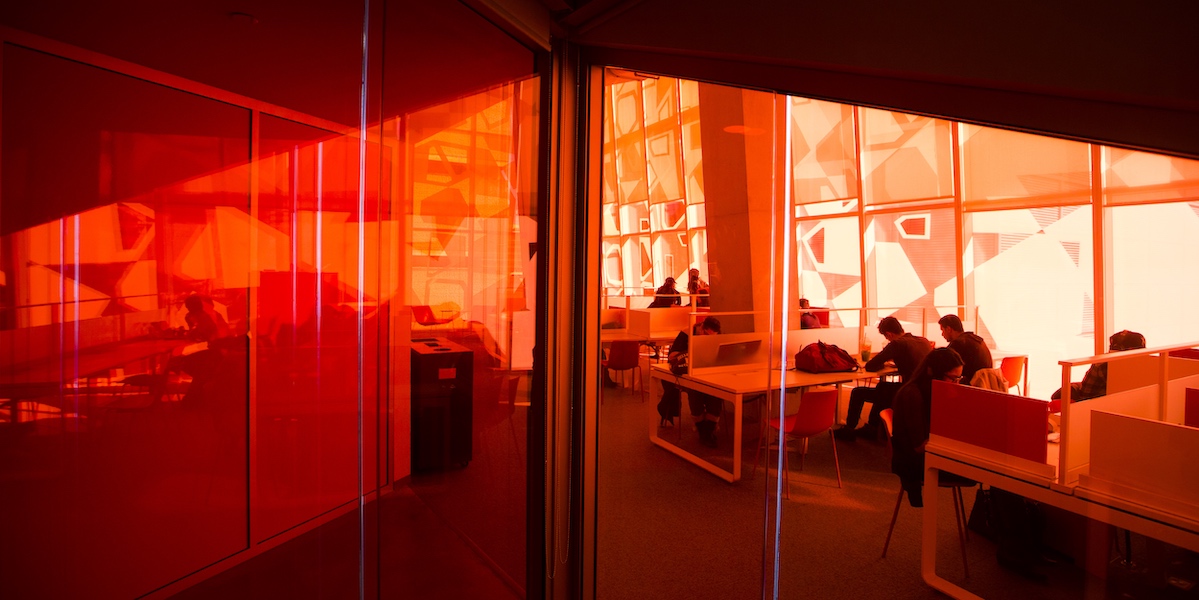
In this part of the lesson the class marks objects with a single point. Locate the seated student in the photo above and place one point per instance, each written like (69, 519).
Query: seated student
(905, 351)
(705, 409)
(807, 320)
(666, 295)
(698, 288)
(913, 415)
(1094, 383)
(971, 347)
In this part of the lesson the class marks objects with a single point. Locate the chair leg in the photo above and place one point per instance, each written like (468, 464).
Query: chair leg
(836, 462)
(641, 380)
(957, 515)
(962, 512)
(894, 517)
(757, 455)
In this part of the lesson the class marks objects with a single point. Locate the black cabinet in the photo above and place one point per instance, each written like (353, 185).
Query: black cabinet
(442, 394)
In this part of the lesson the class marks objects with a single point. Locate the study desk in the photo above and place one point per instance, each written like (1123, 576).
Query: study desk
(737, 387)
(1171, 528)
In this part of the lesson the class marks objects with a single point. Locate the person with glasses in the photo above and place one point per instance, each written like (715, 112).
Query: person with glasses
(912, 409)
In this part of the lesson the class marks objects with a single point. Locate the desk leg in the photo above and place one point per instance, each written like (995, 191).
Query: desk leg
(928, 541)
(737, 410)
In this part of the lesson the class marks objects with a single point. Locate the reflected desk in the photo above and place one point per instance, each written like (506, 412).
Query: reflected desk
(52, 376)
(991, 470)
(737, 387)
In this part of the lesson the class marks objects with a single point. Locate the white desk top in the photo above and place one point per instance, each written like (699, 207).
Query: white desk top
(757, 381)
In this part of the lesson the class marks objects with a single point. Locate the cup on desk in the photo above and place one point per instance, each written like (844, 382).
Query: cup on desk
(866, 347)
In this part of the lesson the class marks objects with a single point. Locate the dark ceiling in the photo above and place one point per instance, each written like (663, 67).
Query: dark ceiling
(304, 55)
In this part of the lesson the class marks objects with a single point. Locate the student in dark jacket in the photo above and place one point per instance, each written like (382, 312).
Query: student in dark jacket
(905, 351)
(913, 416)
(666, 295)
(971, 347)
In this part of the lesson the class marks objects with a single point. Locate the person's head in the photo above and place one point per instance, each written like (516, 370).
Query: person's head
(944, 364)
(1125, 340)
(693, 274)
(669, 282)
(890, 328)
(951, 327)
(803, 303)
(709, 326)
(194, 303)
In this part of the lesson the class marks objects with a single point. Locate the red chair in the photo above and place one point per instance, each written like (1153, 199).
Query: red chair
(625, 355)
(1012, 368)
(817, 413)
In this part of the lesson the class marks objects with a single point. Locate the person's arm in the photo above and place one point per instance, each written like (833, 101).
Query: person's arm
(878, 361)
(1094, 383)
(678, 347)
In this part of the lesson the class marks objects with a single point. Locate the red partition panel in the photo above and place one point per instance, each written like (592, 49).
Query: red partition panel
(1190, 416)
(996, 421)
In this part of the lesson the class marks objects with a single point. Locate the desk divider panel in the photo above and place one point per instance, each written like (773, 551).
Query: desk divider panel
(729, 352)
(845, 338)
(1191, 416)
(1140, 371)
(1176, 398)
(614, 318)
(1145, 461)
(1008, 424)
(1141, 402)
(666, 320)
(639, 321)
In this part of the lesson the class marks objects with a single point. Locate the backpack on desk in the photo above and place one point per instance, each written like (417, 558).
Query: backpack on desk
(819, 357)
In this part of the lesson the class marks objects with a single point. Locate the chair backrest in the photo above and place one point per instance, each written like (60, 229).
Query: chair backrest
(1012, 368)
(624, 354)
(990, 379)
(817, 412)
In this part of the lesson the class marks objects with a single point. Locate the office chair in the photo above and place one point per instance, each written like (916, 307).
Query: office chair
(959, 506)
(1012, 368)
(817, 413)
(625, 355)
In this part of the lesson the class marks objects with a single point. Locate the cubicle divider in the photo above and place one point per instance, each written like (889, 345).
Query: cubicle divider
(1144, 461)
(993, 426)
(614, 319)
(730, 352)
(1146, 383)
(846, 338)
(660, 323)
(1141, 402)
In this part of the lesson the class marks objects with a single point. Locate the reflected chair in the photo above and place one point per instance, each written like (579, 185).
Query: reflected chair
(817, 413)
(625, 355)
(1012, 368)
(953, 483)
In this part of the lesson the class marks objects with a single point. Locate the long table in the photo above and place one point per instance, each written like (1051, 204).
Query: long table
(738, 387)
(1171, 528)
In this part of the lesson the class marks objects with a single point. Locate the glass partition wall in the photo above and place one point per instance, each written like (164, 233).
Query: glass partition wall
(249, 348)
(1042, 246)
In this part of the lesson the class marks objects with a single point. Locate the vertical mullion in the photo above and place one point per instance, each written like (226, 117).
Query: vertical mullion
(959, 219)
(857, 159)
(1099, 246)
